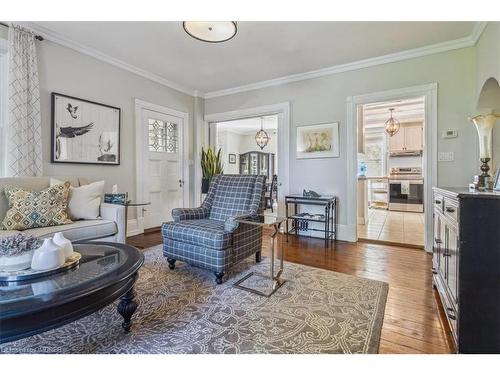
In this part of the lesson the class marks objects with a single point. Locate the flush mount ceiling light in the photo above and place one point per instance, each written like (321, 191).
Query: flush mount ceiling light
(392, 125)
(211, 31)
(262, 138)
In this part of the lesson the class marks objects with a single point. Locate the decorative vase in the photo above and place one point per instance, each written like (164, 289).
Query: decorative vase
(205, 184)
(16, 262)
(48, 256)
(484, 126)
(64, 243)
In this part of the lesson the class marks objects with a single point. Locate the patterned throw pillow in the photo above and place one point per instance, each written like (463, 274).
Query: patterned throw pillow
(35, 209)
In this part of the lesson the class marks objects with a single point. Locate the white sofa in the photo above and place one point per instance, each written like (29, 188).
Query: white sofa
(110, 227)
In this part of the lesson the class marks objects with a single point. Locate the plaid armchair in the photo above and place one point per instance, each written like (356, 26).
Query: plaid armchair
(208, 236)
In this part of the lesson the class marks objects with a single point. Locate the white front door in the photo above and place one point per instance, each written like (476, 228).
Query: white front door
(162, 181)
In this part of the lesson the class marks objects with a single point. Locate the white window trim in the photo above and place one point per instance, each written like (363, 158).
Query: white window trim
(4, 104)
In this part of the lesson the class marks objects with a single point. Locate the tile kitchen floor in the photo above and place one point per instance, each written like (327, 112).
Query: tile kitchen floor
(393, 226)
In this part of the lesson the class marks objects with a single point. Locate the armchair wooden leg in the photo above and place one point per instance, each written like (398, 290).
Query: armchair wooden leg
(258, 257)
(218, 277)
(171, 263)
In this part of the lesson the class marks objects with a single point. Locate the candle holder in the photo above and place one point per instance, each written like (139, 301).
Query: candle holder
(483, 178)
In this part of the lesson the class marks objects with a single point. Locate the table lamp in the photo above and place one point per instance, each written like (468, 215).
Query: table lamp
(489, 108)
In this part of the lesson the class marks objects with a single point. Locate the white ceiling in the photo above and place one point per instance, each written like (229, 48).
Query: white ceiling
(409, 110)
(249, 125)
(260, 51)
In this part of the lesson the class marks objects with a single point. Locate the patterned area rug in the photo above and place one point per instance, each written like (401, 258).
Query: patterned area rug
(184, 311)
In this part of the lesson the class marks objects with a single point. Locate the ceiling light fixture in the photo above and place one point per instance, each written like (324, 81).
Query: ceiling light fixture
(211, 31)
(392, 125)
(262, 138)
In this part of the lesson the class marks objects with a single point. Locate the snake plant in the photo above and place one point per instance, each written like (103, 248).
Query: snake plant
(211, 163)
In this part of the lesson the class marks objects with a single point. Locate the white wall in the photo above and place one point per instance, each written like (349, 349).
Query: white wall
(229, 142)
(488, 65)
(69, 72)
(323, 99)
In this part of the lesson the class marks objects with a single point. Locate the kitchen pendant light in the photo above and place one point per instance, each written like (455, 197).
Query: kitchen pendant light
(392, 125)
(262, 138)
(211, 31)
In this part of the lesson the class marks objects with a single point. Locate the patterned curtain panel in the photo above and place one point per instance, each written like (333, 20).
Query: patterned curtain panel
(24, 135)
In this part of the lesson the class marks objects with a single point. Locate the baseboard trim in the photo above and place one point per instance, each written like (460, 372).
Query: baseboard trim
(133, 228)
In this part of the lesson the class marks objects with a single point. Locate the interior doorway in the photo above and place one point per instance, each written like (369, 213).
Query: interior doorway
(429, 92)
(391, 151)
(249, 146)
(282, 113)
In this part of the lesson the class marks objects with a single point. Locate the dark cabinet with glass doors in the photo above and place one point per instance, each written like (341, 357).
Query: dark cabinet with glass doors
(257, 163)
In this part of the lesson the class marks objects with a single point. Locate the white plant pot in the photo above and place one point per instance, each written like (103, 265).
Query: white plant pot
(64, 243)
(47, 257)
(17, 262)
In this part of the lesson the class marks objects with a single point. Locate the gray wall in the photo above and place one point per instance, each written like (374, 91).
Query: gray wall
(69, 72)
(488, 65)
(323, 99)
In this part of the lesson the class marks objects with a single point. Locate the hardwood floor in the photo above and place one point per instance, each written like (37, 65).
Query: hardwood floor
(414, 320)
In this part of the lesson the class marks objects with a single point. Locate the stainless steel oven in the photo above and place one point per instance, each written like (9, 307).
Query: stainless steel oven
(406, 190)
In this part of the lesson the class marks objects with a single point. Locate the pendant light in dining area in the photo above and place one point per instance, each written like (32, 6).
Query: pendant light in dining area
(262, 138)
(392, 125)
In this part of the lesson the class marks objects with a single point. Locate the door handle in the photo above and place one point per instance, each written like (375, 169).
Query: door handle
(438, 241)
(449, 209)
(181, 183)
(437, 201)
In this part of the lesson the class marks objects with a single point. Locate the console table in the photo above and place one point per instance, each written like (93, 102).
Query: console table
(329, 218)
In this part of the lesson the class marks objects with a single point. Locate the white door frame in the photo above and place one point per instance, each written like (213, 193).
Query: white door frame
(140, 105)
(430, 166)
(283, 112)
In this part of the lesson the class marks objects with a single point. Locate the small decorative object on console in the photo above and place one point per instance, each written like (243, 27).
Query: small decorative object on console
(310, 194)
(16, 251)
(496, 182)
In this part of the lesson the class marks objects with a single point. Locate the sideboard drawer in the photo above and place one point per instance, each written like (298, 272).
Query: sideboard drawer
(438, 202)
(450, 209)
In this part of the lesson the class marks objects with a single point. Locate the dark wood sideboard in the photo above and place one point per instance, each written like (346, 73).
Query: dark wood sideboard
(466, 266)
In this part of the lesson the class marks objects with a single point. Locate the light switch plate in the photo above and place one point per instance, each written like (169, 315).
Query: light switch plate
(446, 156)
(450, 133)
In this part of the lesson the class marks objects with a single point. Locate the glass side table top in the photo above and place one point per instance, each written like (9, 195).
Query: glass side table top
(260, 220)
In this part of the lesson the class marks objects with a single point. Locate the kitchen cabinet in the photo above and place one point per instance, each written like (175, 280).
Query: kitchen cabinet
(466, 266)
(408, 138)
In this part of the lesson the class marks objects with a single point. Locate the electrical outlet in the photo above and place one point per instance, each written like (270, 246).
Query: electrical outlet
(446, 156)
(450, 134)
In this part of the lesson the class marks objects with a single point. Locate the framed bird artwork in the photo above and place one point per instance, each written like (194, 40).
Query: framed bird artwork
(84, 132)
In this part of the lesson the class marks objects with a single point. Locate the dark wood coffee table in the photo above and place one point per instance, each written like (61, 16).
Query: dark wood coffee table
(107, 271)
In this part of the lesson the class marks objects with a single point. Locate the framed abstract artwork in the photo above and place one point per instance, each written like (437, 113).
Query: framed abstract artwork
(232, 158)
(318, 141)
(84, 132)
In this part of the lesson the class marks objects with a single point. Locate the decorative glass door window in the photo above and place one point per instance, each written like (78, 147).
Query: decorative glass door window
(162, 136)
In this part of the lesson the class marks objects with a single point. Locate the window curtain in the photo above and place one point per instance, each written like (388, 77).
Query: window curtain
(24, 131)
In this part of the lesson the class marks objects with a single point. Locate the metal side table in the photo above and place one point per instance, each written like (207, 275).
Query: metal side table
(272, 282)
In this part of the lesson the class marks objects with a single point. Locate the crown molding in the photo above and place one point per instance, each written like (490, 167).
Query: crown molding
(464, 42)
(477, 31)
(59, 39)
